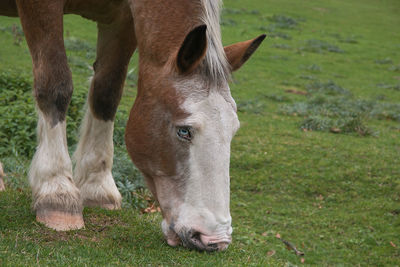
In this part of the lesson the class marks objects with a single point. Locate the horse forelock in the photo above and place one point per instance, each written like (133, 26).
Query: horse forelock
(215, 65)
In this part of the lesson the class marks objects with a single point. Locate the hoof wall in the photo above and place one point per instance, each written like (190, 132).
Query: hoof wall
(60, 221)
(103, 205)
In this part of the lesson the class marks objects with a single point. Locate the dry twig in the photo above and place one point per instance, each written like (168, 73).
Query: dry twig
(291, 246)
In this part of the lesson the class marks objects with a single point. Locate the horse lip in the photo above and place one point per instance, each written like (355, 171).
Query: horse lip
(193, 239)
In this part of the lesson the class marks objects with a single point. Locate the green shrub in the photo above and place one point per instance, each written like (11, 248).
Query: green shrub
(254, 106)
(319, 46)
(128, 179)
(283, 22)
(329, 107)
(18, 116)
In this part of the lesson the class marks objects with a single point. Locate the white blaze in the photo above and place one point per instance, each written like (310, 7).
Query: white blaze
(207, 193)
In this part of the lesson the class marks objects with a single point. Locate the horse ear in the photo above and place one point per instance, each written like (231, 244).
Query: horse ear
(193, 49)
(237, 54)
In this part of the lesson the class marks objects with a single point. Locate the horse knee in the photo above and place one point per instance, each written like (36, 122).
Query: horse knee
(53, 92)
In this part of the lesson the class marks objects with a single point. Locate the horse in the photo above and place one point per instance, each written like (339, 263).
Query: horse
(179, 129)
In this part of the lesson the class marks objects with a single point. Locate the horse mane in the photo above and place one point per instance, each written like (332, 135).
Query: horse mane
(215, 66)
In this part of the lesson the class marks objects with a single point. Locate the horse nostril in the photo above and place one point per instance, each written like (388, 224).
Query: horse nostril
(213, 246)
(194, 235)
(194, 240)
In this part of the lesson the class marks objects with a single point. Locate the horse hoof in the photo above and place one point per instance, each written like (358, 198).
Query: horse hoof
(101, 204)
(60, 221)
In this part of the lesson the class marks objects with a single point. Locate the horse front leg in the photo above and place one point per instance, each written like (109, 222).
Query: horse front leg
(56, 199)
(94, 153)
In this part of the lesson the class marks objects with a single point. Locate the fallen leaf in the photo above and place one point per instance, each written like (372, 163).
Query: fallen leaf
(278, 236)
(271, 253)
(393, 244)
(264, 234)
(296, 92)
(335, 130)
(152, 209)
(302, 260)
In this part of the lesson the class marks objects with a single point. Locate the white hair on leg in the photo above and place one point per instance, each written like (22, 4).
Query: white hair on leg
(50, 177)
(94, 159)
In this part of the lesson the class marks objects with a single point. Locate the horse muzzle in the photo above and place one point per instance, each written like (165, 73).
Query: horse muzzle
(194, 239)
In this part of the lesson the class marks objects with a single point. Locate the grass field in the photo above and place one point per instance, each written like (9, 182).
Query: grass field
(316, 161)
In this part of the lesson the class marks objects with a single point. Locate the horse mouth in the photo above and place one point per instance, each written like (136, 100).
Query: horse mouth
(195, 240)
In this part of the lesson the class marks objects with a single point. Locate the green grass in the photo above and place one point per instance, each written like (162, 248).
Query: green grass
(335, 196)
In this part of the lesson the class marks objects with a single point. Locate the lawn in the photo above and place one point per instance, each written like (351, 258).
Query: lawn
(316, 161)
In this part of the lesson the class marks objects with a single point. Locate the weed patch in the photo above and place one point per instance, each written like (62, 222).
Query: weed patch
(386, 111)
(350, 124)
(389, 86)
(228, 22)
(282, 46)
(129, 180)
(79, 65)
(274, 34)
(384, 61)
(395, 68)
(252, 106)
(78, 45)
(328, 88)
(330, 107)
(280, 22)
(19, 118)
(352, 39)
(277, 98)
(319, 46)
(307, 77)
(283, 22)
(313, 68)
(16, 31)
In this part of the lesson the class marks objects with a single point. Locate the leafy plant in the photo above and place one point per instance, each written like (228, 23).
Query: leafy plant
(283, 22)
(282, 46)
(319, 46)
(327, 88)
(384, 61)
(76, 44)
(254, 106)
(128, 180)
(16, 31)
(19, 118)
(333, 108)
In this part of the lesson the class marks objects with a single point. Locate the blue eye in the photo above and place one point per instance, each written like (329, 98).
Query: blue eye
(184, 133)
